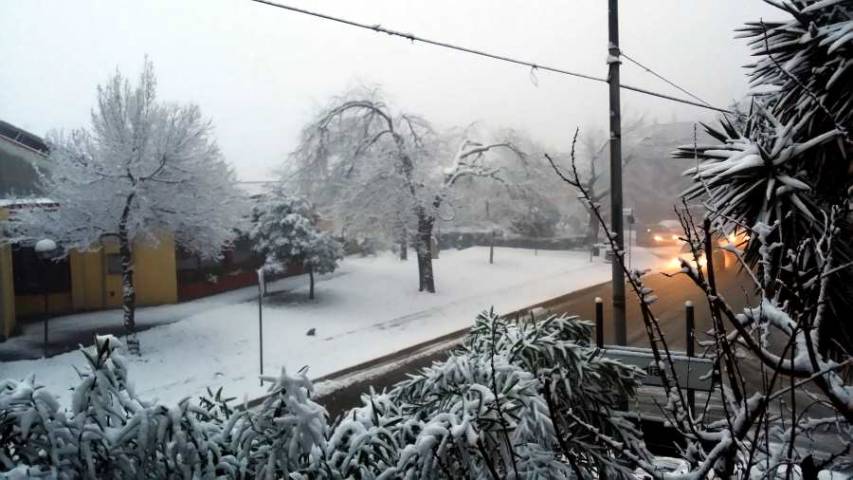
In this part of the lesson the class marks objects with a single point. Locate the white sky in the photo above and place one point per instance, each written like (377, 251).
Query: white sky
(259, 72)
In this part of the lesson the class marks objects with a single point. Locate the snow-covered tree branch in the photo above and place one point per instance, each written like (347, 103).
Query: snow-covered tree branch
(144, 169)
(285, 232)
(368, 164)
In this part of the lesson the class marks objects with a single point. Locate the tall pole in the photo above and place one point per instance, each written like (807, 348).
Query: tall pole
(262, 282)
(619, 327)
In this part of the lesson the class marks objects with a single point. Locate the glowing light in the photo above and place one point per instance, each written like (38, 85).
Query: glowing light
(675, 263)
(658, 238)
(732, 240)
(675, 237)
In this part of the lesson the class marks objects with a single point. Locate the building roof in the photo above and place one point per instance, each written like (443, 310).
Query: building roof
(22, 157)
(26, 202)
(22, 137)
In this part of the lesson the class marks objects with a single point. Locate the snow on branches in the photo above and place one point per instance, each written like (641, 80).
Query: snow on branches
(285, 232)
(760, 431)
(788, 164)
(376, 167)
(515, 402)
(143, 169)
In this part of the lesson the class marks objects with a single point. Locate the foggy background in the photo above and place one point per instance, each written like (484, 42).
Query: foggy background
(259, 72)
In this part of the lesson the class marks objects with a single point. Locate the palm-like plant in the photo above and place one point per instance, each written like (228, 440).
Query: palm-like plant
(789, 163)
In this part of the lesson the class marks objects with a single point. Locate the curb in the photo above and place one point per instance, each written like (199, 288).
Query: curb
(408, 351)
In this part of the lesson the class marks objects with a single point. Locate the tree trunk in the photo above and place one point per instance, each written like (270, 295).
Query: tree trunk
(404, 245)
(592, 230)
(424, 250)
(491, 246)
(311, 284)
(128, 294)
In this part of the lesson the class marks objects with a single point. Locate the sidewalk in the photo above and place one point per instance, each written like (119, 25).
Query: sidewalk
(68, 332)
(371, 308)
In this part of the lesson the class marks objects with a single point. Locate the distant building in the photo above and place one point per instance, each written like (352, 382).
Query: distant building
(21, 154)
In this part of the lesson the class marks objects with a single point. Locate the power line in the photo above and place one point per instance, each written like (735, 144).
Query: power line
(670, 82)
(534, 66)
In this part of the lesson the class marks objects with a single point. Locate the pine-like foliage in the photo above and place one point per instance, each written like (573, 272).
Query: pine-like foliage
(507, 404)
(789, 162)
(285, 231)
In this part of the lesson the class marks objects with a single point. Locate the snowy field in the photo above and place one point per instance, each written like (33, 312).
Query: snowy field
(370, 307)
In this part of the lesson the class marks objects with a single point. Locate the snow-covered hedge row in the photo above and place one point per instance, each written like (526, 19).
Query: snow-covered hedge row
(519, 399)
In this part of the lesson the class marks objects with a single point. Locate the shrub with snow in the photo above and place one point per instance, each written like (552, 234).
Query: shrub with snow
(516, 401)
(286, 232)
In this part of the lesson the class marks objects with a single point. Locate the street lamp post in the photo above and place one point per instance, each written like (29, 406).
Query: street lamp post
(262, 290)
(619, 326)
(45, 250)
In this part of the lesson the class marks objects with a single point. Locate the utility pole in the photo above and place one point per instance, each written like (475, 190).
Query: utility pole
(619, 327)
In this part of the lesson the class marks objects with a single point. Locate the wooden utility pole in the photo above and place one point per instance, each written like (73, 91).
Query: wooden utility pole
(619, 327)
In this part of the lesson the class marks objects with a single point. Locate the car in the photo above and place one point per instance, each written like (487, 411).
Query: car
(663, 233)
(664, 465)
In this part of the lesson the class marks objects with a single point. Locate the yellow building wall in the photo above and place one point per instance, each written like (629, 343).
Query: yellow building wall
(7, 286)
(87, 279)
(93, 287)
(38, 304)
(7, 291)
(155, 275)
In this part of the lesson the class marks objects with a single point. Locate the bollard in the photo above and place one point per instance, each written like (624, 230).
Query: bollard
(599, 322)
(690, 328)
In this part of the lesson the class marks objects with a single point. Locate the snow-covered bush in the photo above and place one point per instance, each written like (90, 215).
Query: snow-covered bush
(513, 402)
(285, 231)
(109, 432)
(509, 402)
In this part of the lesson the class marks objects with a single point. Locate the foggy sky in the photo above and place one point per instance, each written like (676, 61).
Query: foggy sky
(259, 72)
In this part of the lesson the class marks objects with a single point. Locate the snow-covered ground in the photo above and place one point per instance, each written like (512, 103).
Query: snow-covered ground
(370, 307)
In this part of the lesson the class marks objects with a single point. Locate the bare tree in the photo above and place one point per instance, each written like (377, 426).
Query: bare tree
(391, 164)
(597, 153)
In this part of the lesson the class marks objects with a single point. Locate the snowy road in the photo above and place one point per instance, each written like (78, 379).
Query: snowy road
(372, 308)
